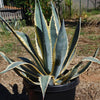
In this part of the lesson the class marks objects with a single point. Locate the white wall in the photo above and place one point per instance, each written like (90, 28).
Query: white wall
(75, 3)
(1, 4)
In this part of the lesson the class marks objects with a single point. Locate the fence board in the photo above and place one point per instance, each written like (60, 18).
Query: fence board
(11, 13)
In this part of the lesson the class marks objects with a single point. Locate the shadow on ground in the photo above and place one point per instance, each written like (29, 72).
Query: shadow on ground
(6, 95)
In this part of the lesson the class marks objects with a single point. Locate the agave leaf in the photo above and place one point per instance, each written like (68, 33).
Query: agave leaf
(29, 69)
(21, 67)
(61, 50)
(93, 59)
(71, 73)
(10, 67)
(18, 65)
(55, 18)
(23, 38)
(43, 36)
(6, 58)
(23, 75)
(86, 66)
(26, 41)
(53, 32)
(72, 46)
(28, 72)
(28, 66)
(27, 44)
(70, 59)
(37, 47)
(26, 60)
(44, 81)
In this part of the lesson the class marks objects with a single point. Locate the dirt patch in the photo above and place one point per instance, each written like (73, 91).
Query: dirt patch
(89, 87)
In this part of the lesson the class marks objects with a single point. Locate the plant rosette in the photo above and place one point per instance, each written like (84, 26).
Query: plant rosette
(51, 57)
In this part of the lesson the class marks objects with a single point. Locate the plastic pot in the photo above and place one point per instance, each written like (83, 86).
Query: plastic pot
(58, 92)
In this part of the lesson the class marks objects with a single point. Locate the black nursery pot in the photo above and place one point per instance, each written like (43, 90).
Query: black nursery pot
(58, 92)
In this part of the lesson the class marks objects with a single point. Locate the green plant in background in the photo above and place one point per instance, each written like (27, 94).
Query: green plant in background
(28, 8)
(15, 23)
(18, 24)
(67, 9)
(68, 4)
(46, 8)
(53, 54)
(58, 5)
(8, 47)
(4, 29)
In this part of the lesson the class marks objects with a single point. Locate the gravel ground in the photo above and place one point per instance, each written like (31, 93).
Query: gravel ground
(11, 85)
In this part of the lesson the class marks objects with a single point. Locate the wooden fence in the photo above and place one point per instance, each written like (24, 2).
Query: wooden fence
(86, 4)
(9, 13)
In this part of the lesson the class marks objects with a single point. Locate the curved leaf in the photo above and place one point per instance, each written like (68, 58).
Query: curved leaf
(23, 75)
(26, 60)
(24, 40)
(27, 72)
(6, 58)
(43, 36)
(18, 65)
(61, 50)
(69, 60)
(71, 73)
(28, 67)
(72, 46)
(27, 44)
(93, 59)
(86, 66)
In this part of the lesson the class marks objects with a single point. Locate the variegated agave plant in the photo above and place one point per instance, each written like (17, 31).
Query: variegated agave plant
(53, 54)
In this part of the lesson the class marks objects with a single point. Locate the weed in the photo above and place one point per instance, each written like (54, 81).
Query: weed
(70, 30)
(85, 50)
(94, 37)
(9, 42)
(3, 29)
(82, 33)
(7, 47)
(93, 12)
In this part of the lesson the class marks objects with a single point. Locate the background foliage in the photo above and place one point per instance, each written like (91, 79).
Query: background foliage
(28, 8)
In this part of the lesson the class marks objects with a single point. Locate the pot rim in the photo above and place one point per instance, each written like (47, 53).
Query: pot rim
(54, 88)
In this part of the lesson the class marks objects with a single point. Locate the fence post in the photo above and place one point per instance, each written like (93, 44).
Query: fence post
(80, 8)
(70, 9)
(87, 5)
(95, 4)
